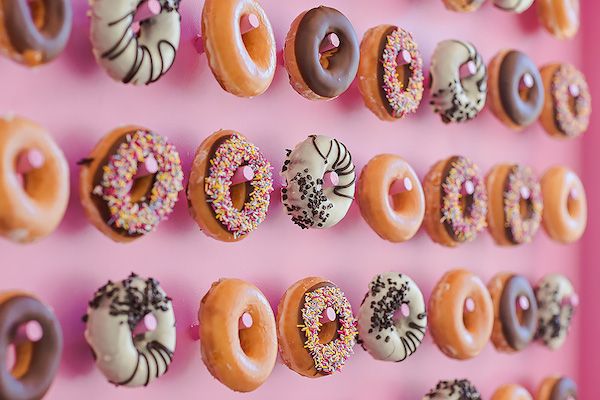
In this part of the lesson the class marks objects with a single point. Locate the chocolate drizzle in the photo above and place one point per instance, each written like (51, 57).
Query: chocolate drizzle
(456, 390)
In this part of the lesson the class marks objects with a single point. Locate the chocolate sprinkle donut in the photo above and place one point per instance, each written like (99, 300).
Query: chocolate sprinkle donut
(461, 389)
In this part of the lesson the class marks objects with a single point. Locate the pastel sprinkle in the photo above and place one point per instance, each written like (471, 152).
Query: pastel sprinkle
(570, 122)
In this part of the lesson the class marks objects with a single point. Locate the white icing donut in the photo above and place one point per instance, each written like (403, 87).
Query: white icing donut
(456, 99)
(453, 390)
(129, 57)
(556, 305)
(111, 318)
(306, 200)
(384, 337)
(516, 6)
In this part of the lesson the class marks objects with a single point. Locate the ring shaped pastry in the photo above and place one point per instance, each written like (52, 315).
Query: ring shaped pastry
(463, 5)
(223, 210)
(243, 64)
(33, 209)
(309, 347)
(515, 204)
(389, 89)
(456, 201)
(515, 6)
(513, 103)
(568, 104)
(511, 392)
(112, 315)
(305, 197)
(514, 325)
(557, 301)
(453, 390)
(560, 17)
(396, 217)
(34, 32)
(565, 205)
(122, 206)
(384, 335)
(459, 332)
(557, 388)
(36, 363)
(456, 98)
(137, 58)
(242, 359)
(314, 75)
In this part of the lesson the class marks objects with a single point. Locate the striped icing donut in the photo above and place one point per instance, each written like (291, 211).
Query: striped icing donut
(112, 316)
(515, 6)
(557, 302)
(453, 390)
(385, 337)
(307, 201)
(130, 57)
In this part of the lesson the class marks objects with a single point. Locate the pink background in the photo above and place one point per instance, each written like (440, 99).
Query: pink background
(79, 103)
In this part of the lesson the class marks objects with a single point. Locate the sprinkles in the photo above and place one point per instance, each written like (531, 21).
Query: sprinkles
(571, 121)
(519, 180)
(235, 152)
(328, 357)
(141, 217)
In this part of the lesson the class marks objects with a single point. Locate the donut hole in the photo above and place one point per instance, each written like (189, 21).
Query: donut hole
(401, 313)
(251, 339)
(572, 104)
(37, 181)
(141, 188)
(526, 86)
(254, 41)
(404, 72)
(465, 203)
(240, 193)
(19, 352)
(37, 9)
(400, 195)
(526, 208)
(469, 315)
(521, 306)
(144, 325)
(329, 332)
(327, 50)
(573, 204)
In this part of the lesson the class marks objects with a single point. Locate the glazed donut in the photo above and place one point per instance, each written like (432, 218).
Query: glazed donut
(398, 217)
(463, 5)
(515, 6)
(316, 75)
(34, 32)
(512, 103)
(455, 200)
(243, 63)
(560, 17)
(307, 201)
(511, 392)
(565, 205)
(309, 347)
(453, 390)
(390, 89)
(33, 209)
(36, 363)
(137, 58)
(223, 210)
(242, 359)
(515, 312)
(456, 98)
(557, 302)
(459, 331)
(515, 204)
(384, 336)
(568, 104)
(557, 388)
(113, 314)
(121, 205)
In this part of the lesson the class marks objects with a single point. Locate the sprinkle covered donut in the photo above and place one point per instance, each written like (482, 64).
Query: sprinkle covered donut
(515, 6)
(557, 388)
(113, 314)
(306, 199)
(384, 335)
(453, 390)
(454, 97)
(557, 301)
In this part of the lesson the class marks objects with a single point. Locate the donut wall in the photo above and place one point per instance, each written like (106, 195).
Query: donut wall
(79, 104)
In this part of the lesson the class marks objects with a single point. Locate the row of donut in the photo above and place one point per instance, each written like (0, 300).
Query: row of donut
(315, 329)
(131, 180)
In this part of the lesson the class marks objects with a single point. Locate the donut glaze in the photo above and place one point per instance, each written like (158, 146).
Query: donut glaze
(557, 388)
(560, 17)
(458, 389)
(557, 302)
(511, 392)
(515, 6)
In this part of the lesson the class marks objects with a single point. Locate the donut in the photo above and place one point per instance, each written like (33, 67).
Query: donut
(454, 97)
(307, 346)
(515, 6)
(389, 88)
(36, 363)
(560, 17)
(515, 204)
(565, 205)
(515, 312)
(34, 208)
(463, 5)
(568, 103)
(243, 63)
(34, 32)
(512, 102)
(457, 389)
(223, 210)
(557, 388)
(455, 201)
(306, 200)
(113, 314)
(461, 314)
(316, 75)
(134, 58)
(511, 392)
(382, 334)
(396, 217)
(122, 206)
(557, 302)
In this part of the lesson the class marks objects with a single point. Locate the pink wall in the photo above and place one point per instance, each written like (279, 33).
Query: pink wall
(79, 103)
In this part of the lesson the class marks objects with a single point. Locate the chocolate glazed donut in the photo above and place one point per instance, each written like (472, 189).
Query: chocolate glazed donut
(36, 363)
(518, 332)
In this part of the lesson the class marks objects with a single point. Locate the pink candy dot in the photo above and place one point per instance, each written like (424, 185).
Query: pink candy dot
(404, 57)
(523, 303)
(469, 305)
(469, 187)
(525, 193)
(574, 90)
(246, 321)
(328, 315)
(527, 80)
